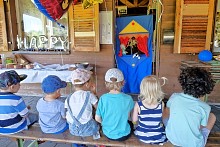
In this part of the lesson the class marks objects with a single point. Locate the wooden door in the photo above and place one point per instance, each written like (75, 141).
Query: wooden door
(193, 25)
(3, 33)
(84, 28)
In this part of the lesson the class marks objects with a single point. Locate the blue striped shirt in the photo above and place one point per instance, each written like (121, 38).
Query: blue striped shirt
(12, 112)
(150, 129)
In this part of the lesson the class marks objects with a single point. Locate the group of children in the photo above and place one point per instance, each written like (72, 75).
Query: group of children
(184, 121)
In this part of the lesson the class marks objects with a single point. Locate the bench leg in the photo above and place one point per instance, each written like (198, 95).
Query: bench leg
(33, 143)
(20, 142)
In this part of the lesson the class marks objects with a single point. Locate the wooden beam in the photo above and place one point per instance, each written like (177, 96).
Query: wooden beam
(127, 3)
(142, 3)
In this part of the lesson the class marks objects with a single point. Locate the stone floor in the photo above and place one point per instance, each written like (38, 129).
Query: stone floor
(32, 100)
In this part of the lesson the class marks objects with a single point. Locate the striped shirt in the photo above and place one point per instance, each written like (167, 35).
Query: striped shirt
(150, 129)
(12, 112)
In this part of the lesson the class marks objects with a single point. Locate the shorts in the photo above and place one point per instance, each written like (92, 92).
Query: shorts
(89, 129)
(31, 119)
(205, 134)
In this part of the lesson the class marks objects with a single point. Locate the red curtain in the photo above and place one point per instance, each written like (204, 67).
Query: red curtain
(142, 44)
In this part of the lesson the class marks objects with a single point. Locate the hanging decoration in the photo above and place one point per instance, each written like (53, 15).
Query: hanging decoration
(53, 9)
(87, 3)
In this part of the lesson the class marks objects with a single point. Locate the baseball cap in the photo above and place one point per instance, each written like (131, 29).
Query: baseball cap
(114, 73)
(10, 77)
(52, 83)
(80, 76)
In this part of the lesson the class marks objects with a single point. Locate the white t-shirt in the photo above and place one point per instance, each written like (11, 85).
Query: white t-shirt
(76, 102)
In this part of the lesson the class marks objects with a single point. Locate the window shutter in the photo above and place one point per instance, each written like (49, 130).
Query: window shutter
(193, 25)
(84, 28)
(3, 33)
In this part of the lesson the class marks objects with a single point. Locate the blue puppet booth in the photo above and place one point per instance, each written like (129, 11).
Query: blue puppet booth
(134, 36)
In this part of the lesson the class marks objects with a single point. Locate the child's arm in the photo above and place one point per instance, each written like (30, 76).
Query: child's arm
(98, 118)
(95, 105)
(166, 113)
(21, 108)
(136, 111)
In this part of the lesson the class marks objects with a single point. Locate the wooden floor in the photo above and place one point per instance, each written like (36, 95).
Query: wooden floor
(214, 139)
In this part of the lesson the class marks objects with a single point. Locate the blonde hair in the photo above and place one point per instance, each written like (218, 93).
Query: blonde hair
(150, 90)
(114, 85)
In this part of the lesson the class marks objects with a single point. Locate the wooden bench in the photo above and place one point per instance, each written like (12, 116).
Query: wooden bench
(35, 134)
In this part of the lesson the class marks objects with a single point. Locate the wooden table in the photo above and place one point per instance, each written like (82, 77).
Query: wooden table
(212, 66)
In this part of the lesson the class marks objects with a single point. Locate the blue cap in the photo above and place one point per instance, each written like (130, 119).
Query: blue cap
(10, 77)
(52, 83)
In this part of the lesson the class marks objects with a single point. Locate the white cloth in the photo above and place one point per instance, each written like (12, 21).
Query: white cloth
(76, 102)
(37, 76)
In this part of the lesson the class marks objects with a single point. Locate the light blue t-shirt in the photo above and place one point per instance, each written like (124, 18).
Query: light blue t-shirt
(114, 109)
(187, 113)
(51, 115)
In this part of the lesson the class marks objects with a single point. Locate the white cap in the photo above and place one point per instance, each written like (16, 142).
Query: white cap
(114, 73)
(80, 76)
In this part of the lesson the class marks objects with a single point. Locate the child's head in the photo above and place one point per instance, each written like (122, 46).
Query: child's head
(52, 85)
(80, 78)
(114, 79)
(196, 81)
(10, 81)
(150, 90)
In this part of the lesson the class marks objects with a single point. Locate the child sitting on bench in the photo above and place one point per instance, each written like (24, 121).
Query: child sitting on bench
(51, 110)
(187, 119)
(80, 106)
(114, 108)
(148, 112)
(14, 115)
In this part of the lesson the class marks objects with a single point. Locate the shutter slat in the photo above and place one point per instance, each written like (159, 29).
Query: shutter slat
(193, 18)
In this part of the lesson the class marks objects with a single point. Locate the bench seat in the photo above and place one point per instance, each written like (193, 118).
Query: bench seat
(35, 133)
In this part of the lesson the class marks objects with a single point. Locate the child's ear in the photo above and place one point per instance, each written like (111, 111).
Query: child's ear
(87, 84)
(123, 83)
(11, 87)
(58, 91)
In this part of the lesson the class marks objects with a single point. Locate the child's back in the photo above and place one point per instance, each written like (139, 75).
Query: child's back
(150, 130)
(186, 117)
(114, 108)
(12, 112)
(51, 115)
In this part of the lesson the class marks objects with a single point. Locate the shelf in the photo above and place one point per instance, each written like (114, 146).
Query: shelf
(42, 52)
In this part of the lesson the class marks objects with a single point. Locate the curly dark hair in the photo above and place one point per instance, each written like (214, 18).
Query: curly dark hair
(196, 81)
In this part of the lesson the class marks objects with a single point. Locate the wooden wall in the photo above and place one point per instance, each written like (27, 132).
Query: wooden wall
(169, 62)
(168, 67)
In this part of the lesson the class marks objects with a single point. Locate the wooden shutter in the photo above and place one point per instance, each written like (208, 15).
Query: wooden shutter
(3, 33)
(193, 25)
(84, 28)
